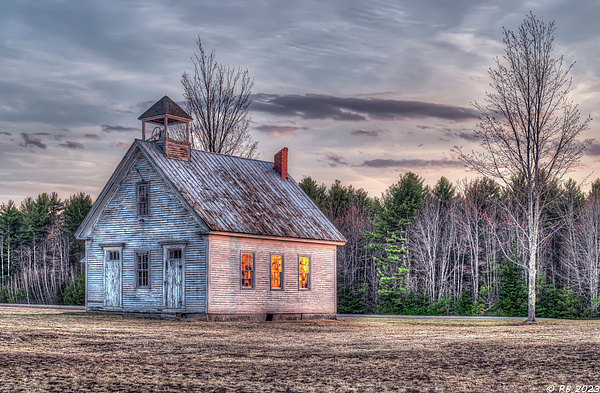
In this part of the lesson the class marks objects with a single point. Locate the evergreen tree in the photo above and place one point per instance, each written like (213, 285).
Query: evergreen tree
(76, 208)
(443, 189)
(394, 212)
(39, 215)
(513, 288)
(11, 221)
(556, 303)
(74, 293)
(595, 187)
(317, 193)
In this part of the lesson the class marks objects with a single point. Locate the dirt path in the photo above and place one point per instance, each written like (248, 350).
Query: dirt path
(82, 308)
(50, 306)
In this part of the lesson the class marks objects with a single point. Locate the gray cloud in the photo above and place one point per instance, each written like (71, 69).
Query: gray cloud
(72, 145)
(320, 106)
(275, 131)
(30, 141)
(5, 133)
(107, 128)
(593, 150)
(334, 159)
(451, 134)
(21, 103)
(362, 132)
(78, 65)
(412, 163)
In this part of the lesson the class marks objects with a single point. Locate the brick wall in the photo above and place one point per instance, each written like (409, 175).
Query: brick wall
(227, 297)
(280, 163)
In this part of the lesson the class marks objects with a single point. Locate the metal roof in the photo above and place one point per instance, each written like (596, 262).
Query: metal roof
(165, 106)
(234, 194)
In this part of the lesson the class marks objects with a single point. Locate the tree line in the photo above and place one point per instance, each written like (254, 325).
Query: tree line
(39, 256)
(450, 249)
(447, 249)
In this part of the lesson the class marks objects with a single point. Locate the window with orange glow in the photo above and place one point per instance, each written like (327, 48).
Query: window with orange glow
(276, 271)
(247, 270)
(304, 273)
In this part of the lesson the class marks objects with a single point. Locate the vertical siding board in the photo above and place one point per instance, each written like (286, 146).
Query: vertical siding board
(168, 220)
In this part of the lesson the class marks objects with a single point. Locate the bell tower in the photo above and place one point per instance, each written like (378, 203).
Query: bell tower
(172, 128)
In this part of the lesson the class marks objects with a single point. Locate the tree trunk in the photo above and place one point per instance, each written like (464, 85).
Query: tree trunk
(532, 274)
(533, 246)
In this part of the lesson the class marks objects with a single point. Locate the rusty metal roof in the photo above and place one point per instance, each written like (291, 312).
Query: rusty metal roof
(233, 194)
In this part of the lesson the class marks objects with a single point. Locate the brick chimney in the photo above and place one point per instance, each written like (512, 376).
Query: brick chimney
(281, 163)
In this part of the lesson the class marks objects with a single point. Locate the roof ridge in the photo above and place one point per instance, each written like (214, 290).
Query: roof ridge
(220, 154)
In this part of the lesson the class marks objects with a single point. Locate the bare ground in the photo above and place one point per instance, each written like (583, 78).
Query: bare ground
(43, 350)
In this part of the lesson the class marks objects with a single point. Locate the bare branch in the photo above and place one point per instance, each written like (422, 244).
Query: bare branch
(528, 131)
(218, 97)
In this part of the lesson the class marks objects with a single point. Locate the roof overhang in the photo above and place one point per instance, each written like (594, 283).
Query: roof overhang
(277, 238)
(160, 119)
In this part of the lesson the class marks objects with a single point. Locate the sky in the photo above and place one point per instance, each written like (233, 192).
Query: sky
(360, 91)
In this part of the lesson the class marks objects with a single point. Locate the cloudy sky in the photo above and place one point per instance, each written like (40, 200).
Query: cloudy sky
(359, 91)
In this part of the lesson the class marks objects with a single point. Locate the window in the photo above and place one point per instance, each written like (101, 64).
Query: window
(276, 272)
(247, 270)
(142, 269)
(113, 255)
(143, 198)
(304, 273)
(175, 253)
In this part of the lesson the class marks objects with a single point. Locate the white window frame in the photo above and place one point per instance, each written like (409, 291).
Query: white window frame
(137, 198)
(137, 269)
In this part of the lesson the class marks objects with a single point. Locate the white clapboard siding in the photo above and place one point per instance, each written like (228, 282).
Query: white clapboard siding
(169, 221)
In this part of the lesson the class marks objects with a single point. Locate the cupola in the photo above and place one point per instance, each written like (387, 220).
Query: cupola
(171, 128)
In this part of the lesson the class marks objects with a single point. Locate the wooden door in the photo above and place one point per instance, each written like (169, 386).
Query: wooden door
(174, 278)
(112, 278)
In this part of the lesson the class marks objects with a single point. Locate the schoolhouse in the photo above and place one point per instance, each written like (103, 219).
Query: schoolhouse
(188, 233)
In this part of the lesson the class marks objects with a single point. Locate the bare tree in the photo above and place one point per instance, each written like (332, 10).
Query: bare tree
(217, 97)
(529, 131)
(582, 252)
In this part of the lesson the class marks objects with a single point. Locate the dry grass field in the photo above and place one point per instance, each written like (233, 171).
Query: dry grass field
(48, 351)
